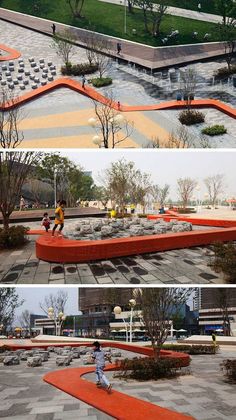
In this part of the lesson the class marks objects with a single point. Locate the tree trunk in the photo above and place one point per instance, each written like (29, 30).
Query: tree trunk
(6, 220)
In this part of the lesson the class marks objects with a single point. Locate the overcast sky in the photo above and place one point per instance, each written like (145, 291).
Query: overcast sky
(34, 295)
(165, 166)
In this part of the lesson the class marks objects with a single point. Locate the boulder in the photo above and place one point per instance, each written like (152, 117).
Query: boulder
(106, 231)
(63, 361)
(11, 360)
(136, 230)
(34, 361)
(86, 230)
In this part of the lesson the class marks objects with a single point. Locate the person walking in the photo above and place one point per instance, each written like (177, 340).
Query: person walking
(118, 48)
(83, 81)
(213, 336)
(99, 357)
(22, 203)
(59, 217)
(53, 28)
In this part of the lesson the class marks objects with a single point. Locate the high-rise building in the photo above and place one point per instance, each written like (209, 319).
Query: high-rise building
(217, 310)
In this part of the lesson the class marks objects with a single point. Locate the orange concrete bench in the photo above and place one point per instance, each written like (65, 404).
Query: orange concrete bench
(93, 94)
(12, 54)
(62, 250)
(195, 221)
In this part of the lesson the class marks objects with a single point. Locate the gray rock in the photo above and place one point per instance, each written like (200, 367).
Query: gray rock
(106, 231)
(136, 230)
(63, 361)
(34, 361)
(11, 360)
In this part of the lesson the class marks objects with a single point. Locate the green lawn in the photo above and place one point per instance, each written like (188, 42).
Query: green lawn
(109, 19)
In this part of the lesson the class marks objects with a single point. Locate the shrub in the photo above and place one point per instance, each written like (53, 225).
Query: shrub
(229, 368)
(214, 130)
(192, 349)
(190, 117)
(182, 210)
(78, 69)
(13, 237)
(100, 82)
(225, 72)
(148, 368)
(224, 260)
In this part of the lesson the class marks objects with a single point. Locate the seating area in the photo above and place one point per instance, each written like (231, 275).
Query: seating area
(31, 73)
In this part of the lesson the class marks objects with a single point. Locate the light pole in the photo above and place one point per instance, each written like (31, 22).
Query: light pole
(198, 188)
(125, 17)
(55, 188)
(132, 303)
(58, 320)
(1, 329)
(117, 311)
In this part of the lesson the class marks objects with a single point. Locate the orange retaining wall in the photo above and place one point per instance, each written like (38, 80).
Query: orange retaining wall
(12, 54)
(93, 94)
(195, 221)
(62, 250)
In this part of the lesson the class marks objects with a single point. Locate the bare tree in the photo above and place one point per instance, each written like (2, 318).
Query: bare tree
(63, 44)
(188, 82)
(110, 125)
(41, 192)
(160, 194)
(159, 306)
(98, 51)
(153, 13)
(56, 301)
(10, 135)
(222, 297)
(15, 167)
(24, 319)
(215, 186)
(186, 187)
(76, 7)
(180, 138)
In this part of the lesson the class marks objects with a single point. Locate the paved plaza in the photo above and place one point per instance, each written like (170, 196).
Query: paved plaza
(202, 392)
(61, 117)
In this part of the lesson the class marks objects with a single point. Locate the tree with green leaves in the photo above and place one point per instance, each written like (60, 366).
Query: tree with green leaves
(119, 179)
(227, 9)
(15, 168)
(141, 189)
(9, 302)
(159, 306)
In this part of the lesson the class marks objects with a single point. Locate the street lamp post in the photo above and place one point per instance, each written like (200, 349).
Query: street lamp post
(58, 320)
(132, 303)
(125, 17)
(117, 311)
(55, 188)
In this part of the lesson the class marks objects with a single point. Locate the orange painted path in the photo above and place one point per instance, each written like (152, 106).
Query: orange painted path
(117, 404)
(12, 54)
(96, 96)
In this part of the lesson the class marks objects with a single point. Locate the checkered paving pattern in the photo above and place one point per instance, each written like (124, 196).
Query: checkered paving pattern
(201, 392)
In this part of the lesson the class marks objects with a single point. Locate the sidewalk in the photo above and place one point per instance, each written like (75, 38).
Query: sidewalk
(176, 11)
(153, 58)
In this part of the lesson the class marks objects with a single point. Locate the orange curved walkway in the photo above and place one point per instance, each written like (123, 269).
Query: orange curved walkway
(117, 404)
(63, 250)
(94, 95)
(12, 54)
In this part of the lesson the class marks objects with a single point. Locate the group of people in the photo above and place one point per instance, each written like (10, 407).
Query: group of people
(59, 218)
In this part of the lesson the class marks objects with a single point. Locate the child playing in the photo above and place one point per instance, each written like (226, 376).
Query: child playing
(59, 217)
(99, 357)
(46, 222)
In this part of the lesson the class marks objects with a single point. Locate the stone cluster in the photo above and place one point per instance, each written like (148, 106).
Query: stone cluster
(93, 229)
